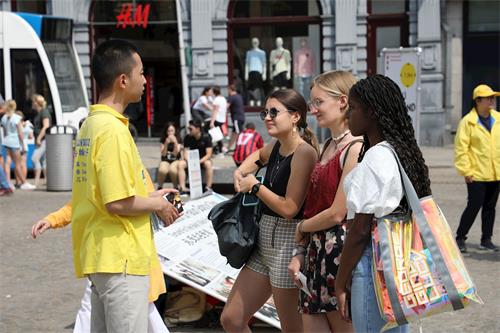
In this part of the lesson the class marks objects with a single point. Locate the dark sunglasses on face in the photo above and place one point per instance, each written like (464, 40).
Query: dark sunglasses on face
(272, 112)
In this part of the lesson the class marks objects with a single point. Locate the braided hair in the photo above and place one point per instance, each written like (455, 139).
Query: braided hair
(384, 98)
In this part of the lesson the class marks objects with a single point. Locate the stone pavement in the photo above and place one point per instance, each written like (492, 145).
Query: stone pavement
(39, 293)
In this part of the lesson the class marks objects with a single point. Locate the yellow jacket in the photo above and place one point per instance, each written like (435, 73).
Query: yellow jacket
(62, 218)
(477, 151)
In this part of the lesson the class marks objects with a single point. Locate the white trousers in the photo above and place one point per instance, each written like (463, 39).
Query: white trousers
(82, 322)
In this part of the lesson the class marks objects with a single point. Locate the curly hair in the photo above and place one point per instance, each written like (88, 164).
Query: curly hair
(384, 98)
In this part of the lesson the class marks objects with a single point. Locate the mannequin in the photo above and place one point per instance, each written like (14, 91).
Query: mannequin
(304, 64)
(280, 61)
(255, 73)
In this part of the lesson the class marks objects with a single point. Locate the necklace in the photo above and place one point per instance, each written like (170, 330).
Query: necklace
(339, 138)
(276, 168)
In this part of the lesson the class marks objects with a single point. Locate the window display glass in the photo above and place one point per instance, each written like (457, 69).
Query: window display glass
(270, 53)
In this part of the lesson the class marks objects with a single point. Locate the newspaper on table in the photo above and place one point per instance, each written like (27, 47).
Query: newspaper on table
(189, 252)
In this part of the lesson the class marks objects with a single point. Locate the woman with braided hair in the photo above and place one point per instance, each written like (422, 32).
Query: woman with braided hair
(374, 189)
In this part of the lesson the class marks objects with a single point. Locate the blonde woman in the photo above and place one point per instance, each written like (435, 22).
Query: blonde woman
(325, 209)
(41, 123)
(13, 142)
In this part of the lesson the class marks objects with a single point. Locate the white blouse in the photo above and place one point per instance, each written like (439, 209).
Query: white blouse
(374, 186)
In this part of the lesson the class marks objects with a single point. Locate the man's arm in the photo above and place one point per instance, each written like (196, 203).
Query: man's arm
(207, 156)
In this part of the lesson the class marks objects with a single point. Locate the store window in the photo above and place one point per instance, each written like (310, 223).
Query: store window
(27, 6)
(273, 45)
(28, 78)
(483, 16)
(151, 25)
(387, 28)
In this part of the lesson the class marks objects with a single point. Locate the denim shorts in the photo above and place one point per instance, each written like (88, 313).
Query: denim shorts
(364, 308)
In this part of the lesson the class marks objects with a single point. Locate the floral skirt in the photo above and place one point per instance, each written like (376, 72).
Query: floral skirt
(321, 265)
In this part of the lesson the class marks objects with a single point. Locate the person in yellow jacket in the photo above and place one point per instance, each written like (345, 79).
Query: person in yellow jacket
(62, 218)
(477, 159)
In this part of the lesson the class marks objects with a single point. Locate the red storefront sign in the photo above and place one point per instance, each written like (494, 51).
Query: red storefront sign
(132, 16)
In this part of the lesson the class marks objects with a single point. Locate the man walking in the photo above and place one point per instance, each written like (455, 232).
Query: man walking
(112, 237)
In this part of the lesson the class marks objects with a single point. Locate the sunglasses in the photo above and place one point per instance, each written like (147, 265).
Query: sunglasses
(272, 112)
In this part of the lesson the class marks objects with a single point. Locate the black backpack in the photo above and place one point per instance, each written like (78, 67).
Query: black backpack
(237, 229)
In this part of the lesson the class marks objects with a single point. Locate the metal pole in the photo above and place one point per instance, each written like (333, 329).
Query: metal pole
(185, 93)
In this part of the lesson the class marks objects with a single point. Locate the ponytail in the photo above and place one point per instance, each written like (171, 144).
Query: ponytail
(309, 137)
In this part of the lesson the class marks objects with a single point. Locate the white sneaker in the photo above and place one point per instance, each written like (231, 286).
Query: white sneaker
(27, 186)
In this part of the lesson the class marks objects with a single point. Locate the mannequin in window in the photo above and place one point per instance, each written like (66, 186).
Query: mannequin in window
(304, 64)
(255, 73)
(280, 61)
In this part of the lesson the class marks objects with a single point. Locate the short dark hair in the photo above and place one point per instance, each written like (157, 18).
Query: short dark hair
(111, 59)
(250, 125)
(195, 123)
(216, 90)
(232, 87)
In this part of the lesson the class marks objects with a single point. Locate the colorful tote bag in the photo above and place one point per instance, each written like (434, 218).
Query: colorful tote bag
(418, 269)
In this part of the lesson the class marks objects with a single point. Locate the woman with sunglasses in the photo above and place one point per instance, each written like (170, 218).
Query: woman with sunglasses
(325, 209)
(290, 160)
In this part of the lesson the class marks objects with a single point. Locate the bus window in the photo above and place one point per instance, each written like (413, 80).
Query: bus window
(62, 60)
(57, 35)
(2, 85)
(28, 78)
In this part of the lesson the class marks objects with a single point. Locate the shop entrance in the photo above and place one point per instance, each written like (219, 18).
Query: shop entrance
(152, 27)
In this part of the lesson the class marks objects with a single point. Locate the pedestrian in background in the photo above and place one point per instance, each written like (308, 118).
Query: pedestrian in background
(237, 111)
(218, 117)
(42, 122)
(170, 148)
(5, 186)
(377, 111)
(290, 159)
(320, 236)
(28, 136)
(248, 142)
(112, 237)
(13, 142)
(203, 107)
(477, 159)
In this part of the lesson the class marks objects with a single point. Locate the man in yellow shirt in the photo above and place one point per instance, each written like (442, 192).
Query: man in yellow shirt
(112, 236)
(477, 159)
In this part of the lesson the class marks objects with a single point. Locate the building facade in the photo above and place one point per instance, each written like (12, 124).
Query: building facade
(260, 45)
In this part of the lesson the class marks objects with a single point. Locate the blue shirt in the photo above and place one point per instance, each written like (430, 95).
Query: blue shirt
(256, 60)
(11, 137)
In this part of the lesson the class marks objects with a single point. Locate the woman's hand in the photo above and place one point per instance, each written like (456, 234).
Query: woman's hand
(341, 293)
(296, 263)
(237, 177)
(247, 182)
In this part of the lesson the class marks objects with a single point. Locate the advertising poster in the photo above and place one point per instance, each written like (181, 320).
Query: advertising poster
(402, 65)
(189, 253)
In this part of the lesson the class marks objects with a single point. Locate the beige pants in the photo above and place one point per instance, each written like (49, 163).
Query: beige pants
(119, 303)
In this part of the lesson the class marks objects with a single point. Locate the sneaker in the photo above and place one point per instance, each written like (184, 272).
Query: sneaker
(224, 150)
(27, 186)
(488, 246)
(208, 189)
(6, 192)
(461, 245)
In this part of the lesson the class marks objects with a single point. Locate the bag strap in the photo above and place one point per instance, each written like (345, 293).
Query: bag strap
(428, 236)
(347, 151)
(385, 254)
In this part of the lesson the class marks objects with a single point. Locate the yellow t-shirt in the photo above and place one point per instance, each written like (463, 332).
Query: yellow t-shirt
(62, 218)
(108, 168)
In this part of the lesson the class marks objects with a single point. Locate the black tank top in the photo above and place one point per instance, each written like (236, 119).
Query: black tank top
(276, 179)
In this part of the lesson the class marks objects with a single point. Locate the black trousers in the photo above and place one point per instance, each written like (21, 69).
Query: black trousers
(479, 195)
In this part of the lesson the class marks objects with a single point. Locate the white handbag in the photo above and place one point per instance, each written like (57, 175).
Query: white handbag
(216, 134)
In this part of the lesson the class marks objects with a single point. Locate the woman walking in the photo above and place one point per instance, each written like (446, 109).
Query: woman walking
(290, 158)
(41, 124)
(325, 208)
(13, 142)
(378, 112)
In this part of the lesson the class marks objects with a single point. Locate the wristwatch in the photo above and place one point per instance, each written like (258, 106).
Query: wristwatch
(298, 250)
(255, 188)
